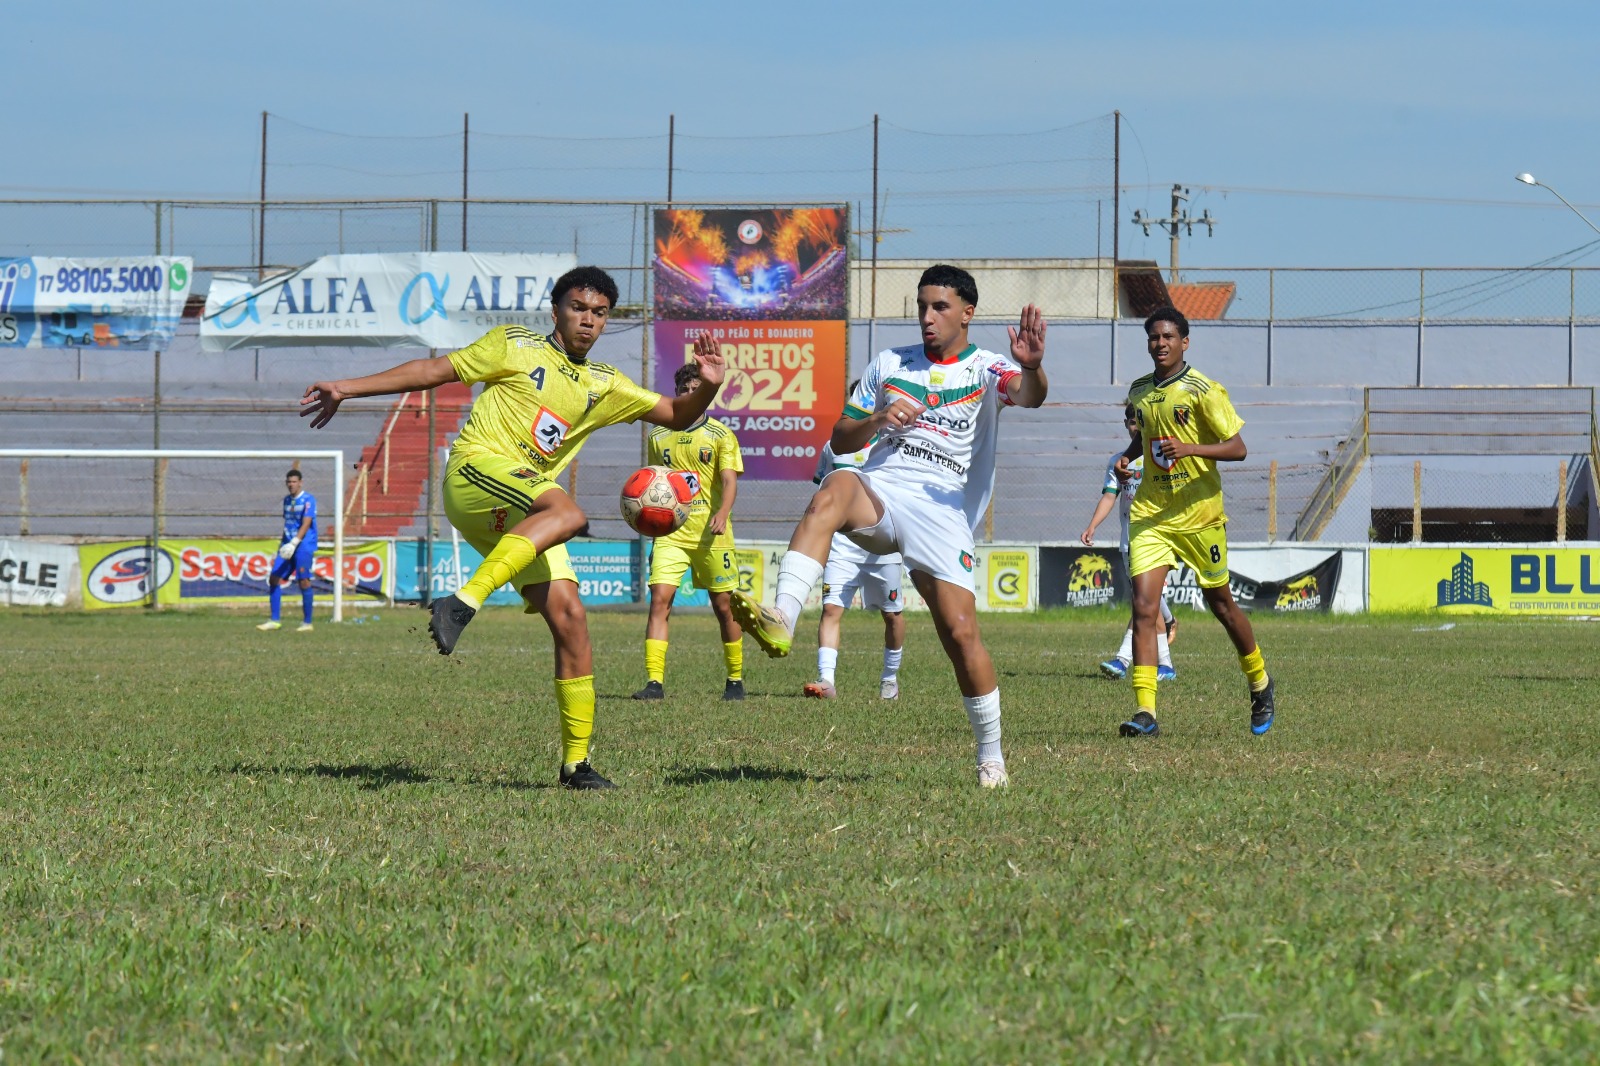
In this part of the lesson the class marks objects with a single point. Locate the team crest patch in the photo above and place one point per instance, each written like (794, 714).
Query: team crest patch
(524, 474)
(933, 399)
(1180, 415)
(966, 561)
(894, 594)
(705, 455)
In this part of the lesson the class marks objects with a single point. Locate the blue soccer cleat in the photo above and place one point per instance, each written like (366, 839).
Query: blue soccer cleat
(1142, 724)
(1262, 710)
(1115, 669)
(1166, 673)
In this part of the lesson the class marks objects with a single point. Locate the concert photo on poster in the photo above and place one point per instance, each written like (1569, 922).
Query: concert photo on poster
(751, 263)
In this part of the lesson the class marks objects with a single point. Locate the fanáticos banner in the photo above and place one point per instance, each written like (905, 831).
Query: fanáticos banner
(408, 300)
(132, 302)
(769, 285)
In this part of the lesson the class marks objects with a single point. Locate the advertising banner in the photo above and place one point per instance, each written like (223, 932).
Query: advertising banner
(1006, 577)
(194, 572)
(406, 300)
(1531, 580)
(607, 570)
(131, 302)
(769, 285)
(37, 574)
(1091, 577)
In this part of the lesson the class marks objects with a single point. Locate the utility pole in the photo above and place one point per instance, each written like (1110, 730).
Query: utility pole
(1178, 219)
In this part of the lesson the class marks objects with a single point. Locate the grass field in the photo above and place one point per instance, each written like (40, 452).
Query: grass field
(220, 844)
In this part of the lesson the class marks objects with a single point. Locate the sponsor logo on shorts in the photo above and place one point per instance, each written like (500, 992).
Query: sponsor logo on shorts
(498, 519)
(967, 561)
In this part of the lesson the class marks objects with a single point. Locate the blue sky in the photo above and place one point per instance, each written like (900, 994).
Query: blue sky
(1358, 134)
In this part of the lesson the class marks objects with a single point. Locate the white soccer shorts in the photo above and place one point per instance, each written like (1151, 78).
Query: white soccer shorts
(924, 523)
(850, 568)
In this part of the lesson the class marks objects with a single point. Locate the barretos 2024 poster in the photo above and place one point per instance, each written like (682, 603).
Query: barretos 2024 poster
(769, 284)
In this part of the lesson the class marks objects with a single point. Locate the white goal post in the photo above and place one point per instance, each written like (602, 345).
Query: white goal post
(335, 468)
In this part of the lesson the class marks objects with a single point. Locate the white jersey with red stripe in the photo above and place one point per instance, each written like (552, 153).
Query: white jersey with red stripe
(951, 445)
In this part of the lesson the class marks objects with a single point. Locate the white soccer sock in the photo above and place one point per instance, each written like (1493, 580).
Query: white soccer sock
(1125, 653)
(827, 663)
(1163, 653)
(797, 576)
(984, 714)
(891, 662)
(1166, 610)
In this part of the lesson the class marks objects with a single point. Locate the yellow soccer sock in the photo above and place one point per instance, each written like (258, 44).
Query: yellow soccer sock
(509, 558)
(655, 659)
(1255, 668)
(575, 700)
(1144, 687)
(733, 655)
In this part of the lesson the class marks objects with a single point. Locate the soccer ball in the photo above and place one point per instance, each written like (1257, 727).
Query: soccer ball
(656, 499)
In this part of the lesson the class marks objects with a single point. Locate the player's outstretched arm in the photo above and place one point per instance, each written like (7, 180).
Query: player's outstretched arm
(322, 398)
(1027, 351)
(1102, 508)
(681, 412)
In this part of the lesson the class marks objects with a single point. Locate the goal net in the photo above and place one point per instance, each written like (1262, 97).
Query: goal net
(157, 496)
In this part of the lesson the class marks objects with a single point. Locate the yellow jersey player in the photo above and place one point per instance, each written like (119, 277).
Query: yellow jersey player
(709, 452)
(541, 397)
(1186, 425)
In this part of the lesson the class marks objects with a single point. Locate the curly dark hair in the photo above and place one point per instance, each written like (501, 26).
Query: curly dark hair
(1168, 314)
(952, 277)
(688, 372)
(585, 277)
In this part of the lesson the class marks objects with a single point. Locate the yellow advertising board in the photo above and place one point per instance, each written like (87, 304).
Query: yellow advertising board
(1006, 579)
(194, 572)
(1529, 580)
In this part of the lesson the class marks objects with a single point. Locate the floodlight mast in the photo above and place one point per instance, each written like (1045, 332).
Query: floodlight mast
(1529, 179)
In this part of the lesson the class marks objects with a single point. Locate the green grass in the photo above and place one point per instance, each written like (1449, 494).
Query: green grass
(221, 844)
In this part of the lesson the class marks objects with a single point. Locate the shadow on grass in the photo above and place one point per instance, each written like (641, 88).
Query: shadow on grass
(367, 777)
(705, 775)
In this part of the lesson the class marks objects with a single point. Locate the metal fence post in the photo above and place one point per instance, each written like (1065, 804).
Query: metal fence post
(1416, 502)
(1422, 303)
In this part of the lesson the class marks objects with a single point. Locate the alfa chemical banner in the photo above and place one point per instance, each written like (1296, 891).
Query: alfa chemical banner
(38, 574)
(132, 302)
(1487, 580)
(407, 300)
(194, 572)
(607, 570)
(769, 285)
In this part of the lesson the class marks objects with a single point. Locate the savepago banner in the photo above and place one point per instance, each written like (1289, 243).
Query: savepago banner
(1309, 590)
(769, 285)
(192, 572)
(407, 300)
(131, 302)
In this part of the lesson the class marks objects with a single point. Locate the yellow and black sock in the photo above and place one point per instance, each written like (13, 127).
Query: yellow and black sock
(1255, 669)
(575, 701)
(733, 656)
(1144, 687)
(510, 557)
(655, 660)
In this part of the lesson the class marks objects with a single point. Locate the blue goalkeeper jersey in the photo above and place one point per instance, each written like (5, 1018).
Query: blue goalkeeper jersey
(297, 509)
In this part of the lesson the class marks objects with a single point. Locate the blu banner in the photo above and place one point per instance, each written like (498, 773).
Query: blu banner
(1532, 580)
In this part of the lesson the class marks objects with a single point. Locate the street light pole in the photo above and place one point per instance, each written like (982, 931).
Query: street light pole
(1529, 179)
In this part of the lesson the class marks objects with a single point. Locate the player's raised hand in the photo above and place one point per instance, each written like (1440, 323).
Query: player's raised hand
(1120, 469)
(321, 401)
(1027, 338)
(708, 353)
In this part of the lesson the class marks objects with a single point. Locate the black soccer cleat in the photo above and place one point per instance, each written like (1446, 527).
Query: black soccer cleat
(733, 690)
(449, 617)
(1142, 724)
(652, 691)
(583, 777)
(1262, 710)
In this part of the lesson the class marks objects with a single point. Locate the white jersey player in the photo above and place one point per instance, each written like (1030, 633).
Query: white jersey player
(934, 409)
(1114, 489)
(850, 569)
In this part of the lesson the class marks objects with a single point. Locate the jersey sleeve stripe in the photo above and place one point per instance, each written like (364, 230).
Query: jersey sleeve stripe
(857, 413)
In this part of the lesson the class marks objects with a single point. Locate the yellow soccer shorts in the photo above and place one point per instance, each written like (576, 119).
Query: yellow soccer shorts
(1205, 551)
(486, 496)
(715, 568)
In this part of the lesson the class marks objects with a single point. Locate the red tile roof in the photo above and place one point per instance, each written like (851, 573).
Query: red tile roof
(1202, 300)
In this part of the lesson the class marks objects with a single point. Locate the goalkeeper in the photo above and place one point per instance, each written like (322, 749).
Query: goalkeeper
(295, 552)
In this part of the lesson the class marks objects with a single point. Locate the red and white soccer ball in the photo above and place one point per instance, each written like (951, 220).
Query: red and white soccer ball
(656, 499)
